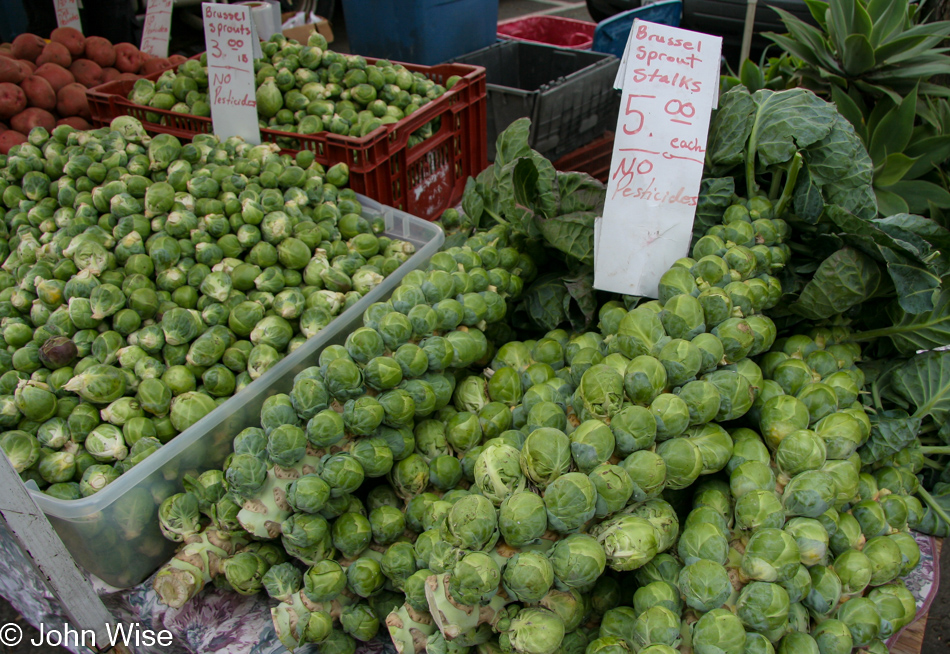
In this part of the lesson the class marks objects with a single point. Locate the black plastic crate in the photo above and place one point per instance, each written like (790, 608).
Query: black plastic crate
(568, 94)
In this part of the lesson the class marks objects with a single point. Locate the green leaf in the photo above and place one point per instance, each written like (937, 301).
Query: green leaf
(858, 55)
(914, 286)
(924, 383)
(850, 110)
(894, 131)
(840, 165)
(818, 10)
(843, 280)
(861, 24)
(934, 523)
(911, 245)
(472, 203)
(929, 230)
(715, 196)
(729, 130)
(841, 20)
(580, 192)
(891, 432)
(512, 143)
(555, 299)
(929, 152)
(893, 169)
(917, 193)
(889, 202)
(807, 199)
(751, 76)
(887, 17)
(786, 121)
(912, 332)
(572, 234)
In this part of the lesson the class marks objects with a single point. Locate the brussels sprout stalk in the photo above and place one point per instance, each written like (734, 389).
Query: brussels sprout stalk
(195, 564)
(409, 629)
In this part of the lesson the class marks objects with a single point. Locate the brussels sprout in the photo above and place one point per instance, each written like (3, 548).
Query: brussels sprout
(671, 414)
(634, 429)
(578, 561)
(657, 593)
(833, 637)
(862, 619)
(812, 539)
(535, 631)
(797, 641)
(545, 456)
(809, 494)
(106, 444)
(95, 478)
(780, 416)
(683, 459)
(628, 541)
(189, 408)
(771, 555)
(522, 518)
(613, 486)
(703, 541)
(471, 523)
(717, 632)
(705, 585)
(528, 576)
(763, 606)
(570, 501)
(498, 472)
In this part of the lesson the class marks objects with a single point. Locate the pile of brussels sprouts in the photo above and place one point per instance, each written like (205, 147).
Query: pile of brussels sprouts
(528, 506)
(145, 282)
(306, 89)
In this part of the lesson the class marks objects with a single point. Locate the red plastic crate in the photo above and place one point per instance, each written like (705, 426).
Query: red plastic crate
(593, 158)
(550, 30)
(423, 180)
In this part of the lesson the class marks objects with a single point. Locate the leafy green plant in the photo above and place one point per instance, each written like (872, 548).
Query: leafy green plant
(879, 46)
(874, 59)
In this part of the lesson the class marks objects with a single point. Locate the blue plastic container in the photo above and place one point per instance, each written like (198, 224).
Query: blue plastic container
(420, 31)
(611, 35)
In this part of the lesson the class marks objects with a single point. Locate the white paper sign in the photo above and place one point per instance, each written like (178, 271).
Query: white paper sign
(157, 27)
(67, 14)
(230, 38)
(670, 81)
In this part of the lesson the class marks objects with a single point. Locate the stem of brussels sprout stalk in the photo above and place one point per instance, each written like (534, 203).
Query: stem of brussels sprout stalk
(776, 184)
(932, 503)
(943, 449)
(930, 463)
(793, 169)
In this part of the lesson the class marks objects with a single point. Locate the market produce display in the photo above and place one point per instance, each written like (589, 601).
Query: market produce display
(306, 89)
(688, 474)
(44, 84)
(145, 282)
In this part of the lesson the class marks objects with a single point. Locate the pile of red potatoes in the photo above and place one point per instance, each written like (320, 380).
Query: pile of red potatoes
(43, 83)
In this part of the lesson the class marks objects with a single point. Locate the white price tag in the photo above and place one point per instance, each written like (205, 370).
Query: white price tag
(157, 27)
(67, 14)
(670, 81)
(230, 39)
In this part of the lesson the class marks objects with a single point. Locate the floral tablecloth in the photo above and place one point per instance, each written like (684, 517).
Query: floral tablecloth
(219, 621)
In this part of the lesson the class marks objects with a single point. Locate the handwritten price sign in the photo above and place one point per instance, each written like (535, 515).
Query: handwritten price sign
(157, 27)
(670, 81)
(230, 39)
(67, 14)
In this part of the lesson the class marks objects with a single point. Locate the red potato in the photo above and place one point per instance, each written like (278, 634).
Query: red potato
(27, 119)
(88, 73)
(177, 60)
(129, 76)
(55, 53)
(128, 58)
(29, 64)
(39, 93)
(12, 100)
(13, 70)
(75, 122)
(56, 75)
(155, 64)
(3, 127)
(100, 50)
(71, 101)
(110, 74)
(10, 138)
(28, 46)
(72, 38)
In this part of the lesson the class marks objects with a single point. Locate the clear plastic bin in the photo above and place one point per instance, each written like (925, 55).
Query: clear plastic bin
(114, 534)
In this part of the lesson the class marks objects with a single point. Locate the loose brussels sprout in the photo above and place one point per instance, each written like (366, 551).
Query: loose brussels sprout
(718, 632)
(771, 555)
